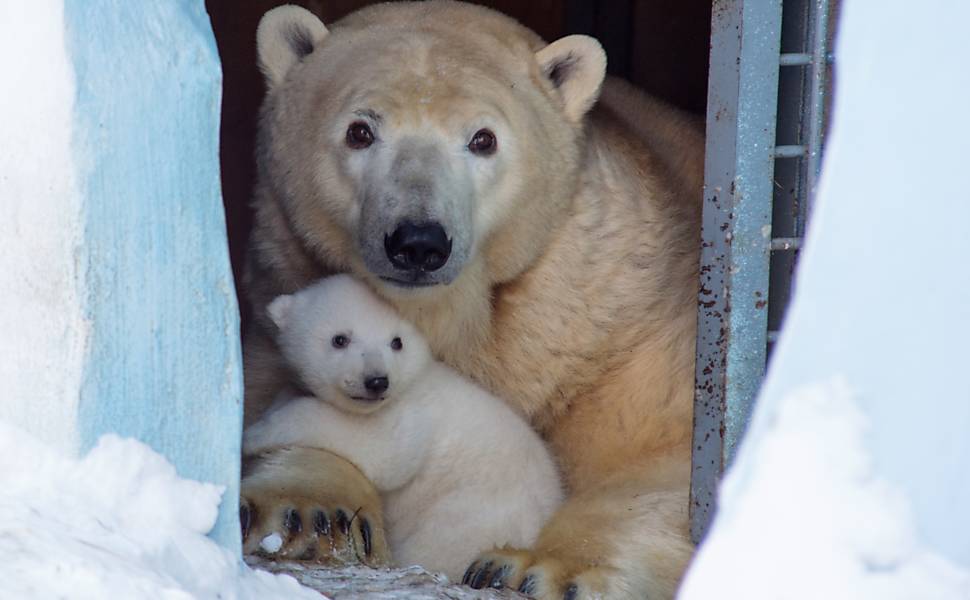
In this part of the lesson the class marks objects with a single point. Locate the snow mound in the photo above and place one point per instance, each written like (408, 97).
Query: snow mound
(118, 523)
(804, 516)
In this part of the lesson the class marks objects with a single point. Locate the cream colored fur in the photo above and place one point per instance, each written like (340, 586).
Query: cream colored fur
(444, 453)
(577, 303)
(276, 55)
(322, 509)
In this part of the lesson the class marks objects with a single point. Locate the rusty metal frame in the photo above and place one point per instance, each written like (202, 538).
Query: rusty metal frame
(732, 322)
(768, 86)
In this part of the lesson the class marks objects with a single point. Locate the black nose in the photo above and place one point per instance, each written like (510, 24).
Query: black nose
(418, 247)
(376, 384)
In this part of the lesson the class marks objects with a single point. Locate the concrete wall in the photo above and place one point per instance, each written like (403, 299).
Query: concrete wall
(118, 311)
(42, 327)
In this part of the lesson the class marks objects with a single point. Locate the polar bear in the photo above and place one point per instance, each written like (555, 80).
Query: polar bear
(442, 451)
(538, 222)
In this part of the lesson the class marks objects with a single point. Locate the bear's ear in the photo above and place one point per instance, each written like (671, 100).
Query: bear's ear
(576, 65)
(279, 310)
(284, 37)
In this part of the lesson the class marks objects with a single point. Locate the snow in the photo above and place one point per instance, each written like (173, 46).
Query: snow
(120, 523)
(808, 517)
(271, 543)
(44, 332)
(117, 523)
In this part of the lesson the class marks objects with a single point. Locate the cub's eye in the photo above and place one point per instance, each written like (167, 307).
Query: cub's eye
(340, 341)
(483, 143)
(396, 344)
(359, 135)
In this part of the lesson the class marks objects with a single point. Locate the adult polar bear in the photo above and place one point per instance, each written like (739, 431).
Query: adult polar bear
(546, 247)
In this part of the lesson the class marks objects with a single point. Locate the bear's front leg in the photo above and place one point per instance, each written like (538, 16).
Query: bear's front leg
(309, 504)
(625, 540)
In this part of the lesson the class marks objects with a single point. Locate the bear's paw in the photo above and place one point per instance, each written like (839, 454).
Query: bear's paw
(332, 517)
(540, 576)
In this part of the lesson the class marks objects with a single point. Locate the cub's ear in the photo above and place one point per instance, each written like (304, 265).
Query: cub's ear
(279, 310)
(284, 37)
(576, 65)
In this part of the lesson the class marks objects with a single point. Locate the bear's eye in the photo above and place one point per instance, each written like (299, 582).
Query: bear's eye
(483, 143)
(359, 135)
(396, 344)
(340, 341)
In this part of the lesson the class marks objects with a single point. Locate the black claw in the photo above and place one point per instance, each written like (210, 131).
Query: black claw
(528, 585)
(499, 577)
(469, 572)
(365, 533)
(482, 576)
(571, 592)
(293, 522)
(245, 519)
(321, 524)
(342, 521)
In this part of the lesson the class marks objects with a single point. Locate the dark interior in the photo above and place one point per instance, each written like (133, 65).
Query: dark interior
(660, 45)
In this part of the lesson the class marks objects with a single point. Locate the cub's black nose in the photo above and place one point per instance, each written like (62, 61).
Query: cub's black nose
(376, 384)
(418, 247)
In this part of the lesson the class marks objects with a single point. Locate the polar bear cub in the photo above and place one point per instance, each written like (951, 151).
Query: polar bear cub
(458, 470)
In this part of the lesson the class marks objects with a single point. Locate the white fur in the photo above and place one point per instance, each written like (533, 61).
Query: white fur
(458, 470)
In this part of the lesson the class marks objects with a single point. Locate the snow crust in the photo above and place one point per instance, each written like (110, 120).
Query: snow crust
(806, 516)
(271, 543)
(117, 523)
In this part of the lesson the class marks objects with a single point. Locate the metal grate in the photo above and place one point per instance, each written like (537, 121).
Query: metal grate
(765, 123)
(803, 89)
